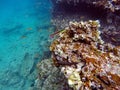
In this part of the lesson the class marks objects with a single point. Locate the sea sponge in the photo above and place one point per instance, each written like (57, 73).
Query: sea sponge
(86, 60)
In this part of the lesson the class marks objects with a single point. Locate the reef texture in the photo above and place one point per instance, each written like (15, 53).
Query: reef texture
(87, 62)
(50, 77)
(106, 11)
(113, 5)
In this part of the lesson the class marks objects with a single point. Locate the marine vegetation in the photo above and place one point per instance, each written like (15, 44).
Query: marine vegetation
(86, 60)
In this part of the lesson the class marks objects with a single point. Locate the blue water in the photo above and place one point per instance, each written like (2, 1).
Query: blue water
(24, 40)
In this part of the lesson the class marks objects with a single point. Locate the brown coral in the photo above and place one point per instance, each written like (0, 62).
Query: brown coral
(86, 60)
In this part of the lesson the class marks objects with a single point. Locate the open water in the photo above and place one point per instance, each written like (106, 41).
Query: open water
(24, 40)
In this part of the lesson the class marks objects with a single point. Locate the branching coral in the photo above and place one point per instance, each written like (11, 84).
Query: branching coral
(87, 62)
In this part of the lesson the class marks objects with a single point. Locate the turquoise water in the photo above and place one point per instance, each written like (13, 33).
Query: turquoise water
(24, 40)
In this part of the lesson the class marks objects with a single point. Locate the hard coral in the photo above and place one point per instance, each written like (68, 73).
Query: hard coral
(87, 62)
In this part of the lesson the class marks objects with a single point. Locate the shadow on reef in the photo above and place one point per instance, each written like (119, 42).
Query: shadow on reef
(78, 9)
(64, 12)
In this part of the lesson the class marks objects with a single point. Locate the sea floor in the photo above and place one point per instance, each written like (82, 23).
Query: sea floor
(25, 28)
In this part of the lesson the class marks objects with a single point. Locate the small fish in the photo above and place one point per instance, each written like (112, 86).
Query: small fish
(22, 37)
(36, 56)
(55, 33)
(39, 30)
(82, 17)
(29, 28)
(113, 39)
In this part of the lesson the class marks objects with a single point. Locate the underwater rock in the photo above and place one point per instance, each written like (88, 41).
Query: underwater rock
(27, 70)
(111, 34)
(85, 59)
(15, 30)
(50, 77)
(112, 5)
(11, 78)
(26, 65)
(103, 10)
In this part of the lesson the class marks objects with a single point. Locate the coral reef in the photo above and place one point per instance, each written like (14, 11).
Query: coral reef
(86, 60)
(50, 77)
(106, 11)
(113, 5)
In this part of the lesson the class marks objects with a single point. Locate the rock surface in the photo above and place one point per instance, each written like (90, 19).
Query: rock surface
(112, 5)
(106, 11)
(50, 77)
